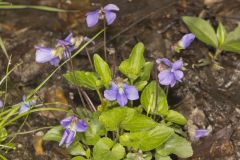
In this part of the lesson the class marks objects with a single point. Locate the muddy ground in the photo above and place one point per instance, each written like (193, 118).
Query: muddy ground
(210, 99)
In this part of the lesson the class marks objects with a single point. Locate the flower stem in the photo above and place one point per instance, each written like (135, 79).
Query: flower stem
(105, 41)
(217, 53)
(89, 58)
(100, 96)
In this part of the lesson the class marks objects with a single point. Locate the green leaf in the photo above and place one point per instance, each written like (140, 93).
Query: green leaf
(232, 42)
(147, 68)
(107, 150)
(138, 122)
(202, 29)
(126, 118)
(140, 85)
(221, 34)
(102, 69)
(3, 134)
(54, 134)
(148, 99)
(175, 117)
(176, 145)
(147, 140)
(83, 79)
(78, 158)
(132, 66)
(94, 132)
(112, 119)
(76, 149)
(136, 156)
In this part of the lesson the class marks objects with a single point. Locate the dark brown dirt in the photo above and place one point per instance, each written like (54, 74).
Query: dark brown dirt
(209, 98)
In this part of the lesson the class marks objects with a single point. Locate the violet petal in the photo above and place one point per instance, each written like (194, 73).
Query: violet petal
(92, 18)
(201, 133)
(122, 99)
(64, 137)
(186, 40)
(44, 54)
(131, 92)
(55, 61)
(81, 126)
(111, 94)
(1, 104)
(67, 121)
(70, 138)
(177, 64)
(178, 75)
(165, 77)
(24, 108)
(111, 7)
(165, 61)
(110, 17)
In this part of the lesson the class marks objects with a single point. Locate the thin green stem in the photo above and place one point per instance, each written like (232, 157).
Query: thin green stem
(5, 146)
(32, 131)
(3, 79)
(31, 111)
(6, 83)
(37, 7)
(2, 157)
(100, 96)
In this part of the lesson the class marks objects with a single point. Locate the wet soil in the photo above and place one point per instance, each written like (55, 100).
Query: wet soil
(208, 98)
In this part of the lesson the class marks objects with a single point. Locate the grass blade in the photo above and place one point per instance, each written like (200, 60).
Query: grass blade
(3, 48)
(37, 7)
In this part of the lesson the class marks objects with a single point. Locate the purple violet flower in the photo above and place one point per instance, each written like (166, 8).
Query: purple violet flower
(173, 74)
(107, 12)
(121, 92)
(184, 43)
(186, 40)
(201, 133)
(1, 104)
(26, 105)
(72, 125)
(54, 55)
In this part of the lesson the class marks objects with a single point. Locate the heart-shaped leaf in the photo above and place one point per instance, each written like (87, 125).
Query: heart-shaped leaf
(147, 140)
(107, 150)
(54, 134)
(176, 145)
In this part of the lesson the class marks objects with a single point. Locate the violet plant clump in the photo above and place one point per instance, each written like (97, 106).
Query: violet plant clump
(147, 126)
(108, 13)
(172, 75)
(110, 131)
